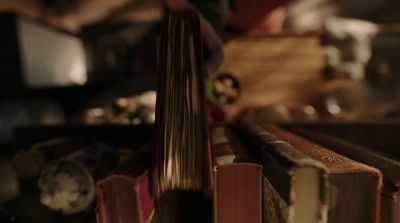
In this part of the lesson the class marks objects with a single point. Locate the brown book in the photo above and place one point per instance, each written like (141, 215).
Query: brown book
(355, 187)
(390, 203)
(390, 168)
(123, 196)
(182, 156)
(373, 134)
(295, 187)
(237, 178)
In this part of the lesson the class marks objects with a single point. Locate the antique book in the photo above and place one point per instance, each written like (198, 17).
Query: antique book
(237, 178)
(182, 157)
(390, 203)
(373, 134)
(389, 167)
(355, 187)
(123, 196)
(295, 186)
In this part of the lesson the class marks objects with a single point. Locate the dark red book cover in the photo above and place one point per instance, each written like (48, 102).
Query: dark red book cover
(123, 196)
(237, 178)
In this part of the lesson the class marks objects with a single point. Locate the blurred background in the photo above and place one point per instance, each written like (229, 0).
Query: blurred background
(86, 71)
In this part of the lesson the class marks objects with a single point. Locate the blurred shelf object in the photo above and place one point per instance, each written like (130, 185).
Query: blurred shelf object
(27, 163)
(125, 136)
(281, 69)
(9, 187)
(37, 56)
(133, 110)
(273, 113)
(348, 46)
(15, 114)
(28, 207)
(67, 185)
(362, 50)
(223, 88)
(383, 68)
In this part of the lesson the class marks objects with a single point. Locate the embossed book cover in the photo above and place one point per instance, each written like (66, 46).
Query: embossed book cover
(355, 188)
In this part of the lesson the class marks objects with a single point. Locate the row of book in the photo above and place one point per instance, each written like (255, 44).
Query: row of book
(264, 173)
(250, 173)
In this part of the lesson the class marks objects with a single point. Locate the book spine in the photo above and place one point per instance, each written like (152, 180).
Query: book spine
(280, 162)
(388, 166)
(336, 163)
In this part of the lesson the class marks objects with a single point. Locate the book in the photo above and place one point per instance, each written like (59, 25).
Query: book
(295, 186)
(390, 203)
(389, 167)
(237, 178)
(123, 196)
(355, 187)
(372, 134)
(182, 157)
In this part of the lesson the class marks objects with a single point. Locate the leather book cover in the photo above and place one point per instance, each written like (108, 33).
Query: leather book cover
(123, 196)
(295, 187)
(355, 187)
(237, 178)
(389, 167)
(390, 203)
(182, 155)
(373, 134)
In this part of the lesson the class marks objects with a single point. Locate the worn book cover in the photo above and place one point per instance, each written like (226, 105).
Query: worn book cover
(123, 196)
(389, 167)
(355, 187)
(295, 186)
(390, 203)
(374, 134)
